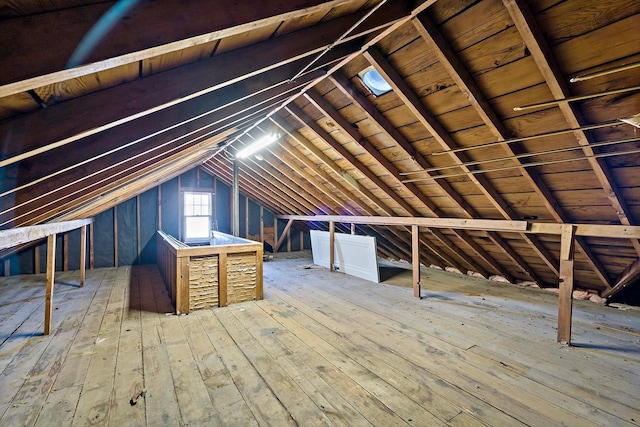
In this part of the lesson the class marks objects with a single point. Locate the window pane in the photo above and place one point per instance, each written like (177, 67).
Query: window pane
(197, 227)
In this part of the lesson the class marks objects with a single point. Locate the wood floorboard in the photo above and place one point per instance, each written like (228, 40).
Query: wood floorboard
(321, 349)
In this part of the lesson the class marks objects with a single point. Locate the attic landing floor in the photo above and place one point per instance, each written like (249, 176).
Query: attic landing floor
(320, 349)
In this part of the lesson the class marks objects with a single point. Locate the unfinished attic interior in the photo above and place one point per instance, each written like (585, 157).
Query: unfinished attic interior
(173, 171)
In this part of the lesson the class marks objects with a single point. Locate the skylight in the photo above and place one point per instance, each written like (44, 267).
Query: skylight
(374, 81)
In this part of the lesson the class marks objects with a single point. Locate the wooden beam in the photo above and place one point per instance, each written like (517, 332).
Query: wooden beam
(65, 252)
(115, 235)
(624, 279)
(283, 236)
(19, 235)
(415, 260)
(459, 223)
(51, 268)
(541, 53)
(147, 34)
(565, 299)
(83, 253)
(415, 105)
(332, 245)
(103, 110)
(36, 259)
(387, 127)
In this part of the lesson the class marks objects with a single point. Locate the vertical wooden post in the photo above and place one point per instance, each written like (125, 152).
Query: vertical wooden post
(91, 253)
(83, 253)
(235, 199)
(301, 240)
(198, 177)
(261, 224)
(275, 234)
(246, 217)
(289, 239)
(51, 266)
(65, 252)
(180, 208)
(138, 227)
(182, 287)
(565, 298)
(115, 236)
(159, 207)
(353, 229)
(36, 259)
(332, 245)
(415, 259)
(7, 267)
(222, 279)
(259, 261)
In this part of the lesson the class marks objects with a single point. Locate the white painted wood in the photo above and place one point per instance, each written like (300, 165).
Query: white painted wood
(354, 255)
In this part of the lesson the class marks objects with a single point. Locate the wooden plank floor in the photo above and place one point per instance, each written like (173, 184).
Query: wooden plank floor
(321, 349)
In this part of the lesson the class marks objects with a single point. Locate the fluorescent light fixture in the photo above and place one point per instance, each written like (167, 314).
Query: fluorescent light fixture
(257, 145)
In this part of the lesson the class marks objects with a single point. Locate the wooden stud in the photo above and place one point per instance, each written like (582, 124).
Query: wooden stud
(65, 252)
(332, 245)
(283, 236)
(51, 266)
(259, 274)
(180, 208)
(115, 236)
(159, 207)
(7, 267)
(289, 240)
(138, 227)
(565, 299)
(353, 228)
(83, 253)
(182, 287)
(36, 259)
(222, 279)
(275, 234)
(198, 177)
(246, 217)
(415, 259)
(91, 251)
(261, 224)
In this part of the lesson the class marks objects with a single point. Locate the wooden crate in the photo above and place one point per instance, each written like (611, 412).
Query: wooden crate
(210, 276)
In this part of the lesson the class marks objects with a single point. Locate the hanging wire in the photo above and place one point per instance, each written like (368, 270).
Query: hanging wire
(524, 165)
(525, 155)
(528, 138)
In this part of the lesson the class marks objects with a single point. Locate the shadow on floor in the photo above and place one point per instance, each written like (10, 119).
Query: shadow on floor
(387, 273)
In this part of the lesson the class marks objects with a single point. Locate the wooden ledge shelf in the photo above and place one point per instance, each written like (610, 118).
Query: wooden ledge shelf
(227, 271)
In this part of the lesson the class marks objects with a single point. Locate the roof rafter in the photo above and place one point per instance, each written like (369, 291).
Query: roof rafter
(411, 100)
(543, 56)
(465, 82)
(337, 185)
(345, 127)
(28, 65)
(383, 123)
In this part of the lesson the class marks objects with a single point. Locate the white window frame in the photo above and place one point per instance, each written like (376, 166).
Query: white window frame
(197, 214)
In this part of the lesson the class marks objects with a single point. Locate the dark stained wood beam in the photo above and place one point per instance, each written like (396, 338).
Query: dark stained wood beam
(465, 82)
(33, 58)
(97, 112)
(624, 279)
(51, 171)
(543, 56)
(411, 100)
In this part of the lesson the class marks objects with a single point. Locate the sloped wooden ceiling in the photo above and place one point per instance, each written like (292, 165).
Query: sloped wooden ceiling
(177, 84)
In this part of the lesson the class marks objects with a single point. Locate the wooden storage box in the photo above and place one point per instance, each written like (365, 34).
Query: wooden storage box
(227, 271)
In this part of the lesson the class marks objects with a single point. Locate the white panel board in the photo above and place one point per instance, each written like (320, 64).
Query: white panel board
(354, 255)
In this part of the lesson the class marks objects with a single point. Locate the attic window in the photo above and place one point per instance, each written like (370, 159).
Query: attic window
(374, 81)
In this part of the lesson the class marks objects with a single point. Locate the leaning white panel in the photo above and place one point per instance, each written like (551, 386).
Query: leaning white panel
(354, 255)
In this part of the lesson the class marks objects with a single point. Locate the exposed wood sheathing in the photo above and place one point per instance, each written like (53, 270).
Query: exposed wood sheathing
(159, 97)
